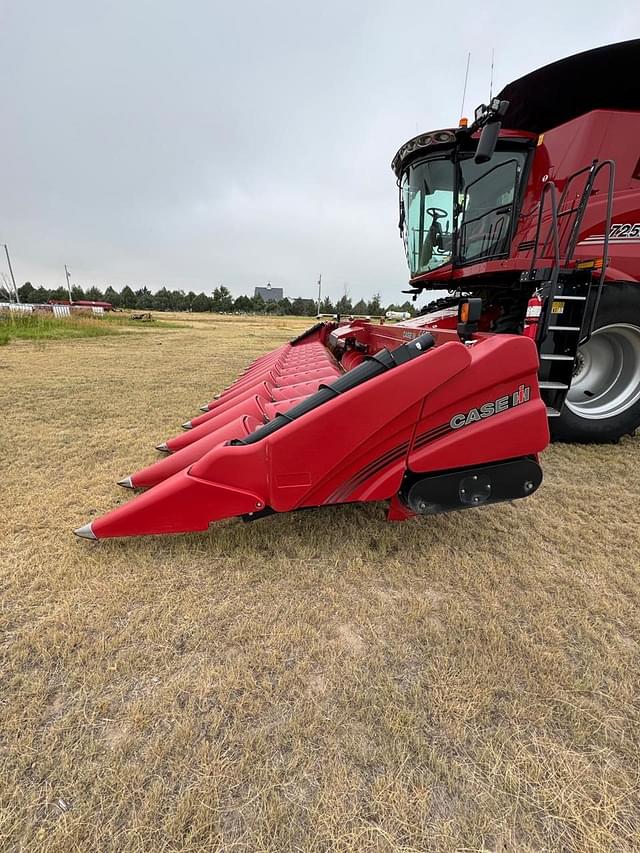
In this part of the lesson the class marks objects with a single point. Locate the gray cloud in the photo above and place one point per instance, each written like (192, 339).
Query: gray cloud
(190, 144)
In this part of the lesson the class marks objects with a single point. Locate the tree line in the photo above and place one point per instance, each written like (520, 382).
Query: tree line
(221, 301)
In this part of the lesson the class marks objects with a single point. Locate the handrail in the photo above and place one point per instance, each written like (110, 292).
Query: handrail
(551, 189)
(553, 233)
(592, 170)
(605, 249)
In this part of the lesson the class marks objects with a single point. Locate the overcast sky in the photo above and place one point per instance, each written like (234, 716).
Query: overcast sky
(197, 143)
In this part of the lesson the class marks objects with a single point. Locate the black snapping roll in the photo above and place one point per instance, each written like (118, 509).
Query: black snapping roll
(372, 366)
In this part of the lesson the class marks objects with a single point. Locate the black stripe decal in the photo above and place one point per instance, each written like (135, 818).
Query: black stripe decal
(346, 488)
(369, 470)
(432, 434)
(391, 456)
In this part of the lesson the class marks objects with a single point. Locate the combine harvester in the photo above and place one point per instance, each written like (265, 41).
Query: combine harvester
(531, 218)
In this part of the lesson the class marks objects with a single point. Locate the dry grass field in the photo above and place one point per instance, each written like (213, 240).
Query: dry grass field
(318, 682)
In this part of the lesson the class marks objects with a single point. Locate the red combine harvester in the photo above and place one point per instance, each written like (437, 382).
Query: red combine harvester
(530, 218)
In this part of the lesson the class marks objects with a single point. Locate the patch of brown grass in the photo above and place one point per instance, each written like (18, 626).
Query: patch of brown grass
(321, 681)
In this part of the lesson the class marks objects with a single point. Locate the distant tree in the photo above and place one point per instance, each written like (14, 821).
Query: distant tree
(226, 298)
(111, 296)
(408, 306)
(127, 297)
(222, 300)
(344, 305)
(298, 307)
(178, 300)
(144, 299)
(374, 307)
(190, 297)
(77, 293)
(360, 307)
(6, 290)
(304, 307)
(161, 301)
(283, 307)
(40, 296)
(244, 304)
(201, 303)
(60, 294)
(26, 292)
(259, 305)
(326, 306)
(94, 294)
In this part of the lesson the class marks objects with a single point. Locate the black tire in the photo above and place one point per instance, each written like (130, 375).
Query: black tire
(614, 352)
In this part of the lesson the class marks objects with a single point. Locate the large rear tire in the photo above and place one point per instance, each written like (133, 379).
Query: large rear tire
(603, 402)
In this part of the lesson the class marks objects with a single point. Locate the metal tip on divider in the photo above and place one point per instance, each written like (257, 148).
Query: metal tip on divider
(163, 448)
(126, 482)
(187, 425)
(85, 532)
(204, 408)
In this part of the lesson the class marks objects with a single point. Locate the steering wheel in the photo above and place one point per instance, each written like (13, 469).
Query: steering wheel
(436, 213)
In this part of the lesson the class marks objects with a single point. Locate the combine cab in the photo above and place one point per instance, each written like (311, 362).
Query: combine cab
(530, 218)
(535, 209)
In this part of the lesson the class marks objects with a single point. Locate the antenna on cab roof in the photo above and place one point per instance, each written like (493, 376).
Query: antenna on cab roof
(464, 90)
(493, 51)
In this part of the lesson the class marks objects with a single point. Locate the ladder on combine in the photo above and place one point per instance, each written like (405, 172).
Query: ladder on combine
(570, 291)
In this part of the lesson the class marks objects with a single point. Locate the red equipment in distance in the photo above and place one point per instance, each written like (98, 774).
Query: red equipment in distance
(83, 303)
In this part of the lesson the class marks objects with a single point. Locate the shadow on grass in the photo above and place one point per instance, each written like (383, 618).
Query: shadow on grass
(325, 534)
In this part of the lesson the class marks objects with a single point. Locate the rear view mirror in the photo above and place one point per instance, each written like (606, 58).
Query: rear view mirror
(487, 142)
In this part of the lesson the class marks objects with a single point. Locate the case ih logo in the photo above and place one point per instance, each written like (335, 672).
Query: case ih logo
(494, 407)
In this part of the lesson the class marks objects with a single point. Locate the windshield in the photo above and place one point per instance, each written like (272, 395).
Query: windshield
(427, 205)
(477, 226)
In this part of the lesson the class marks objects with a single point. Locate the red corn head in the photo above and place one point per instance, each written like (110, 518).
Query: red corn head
(428, 425)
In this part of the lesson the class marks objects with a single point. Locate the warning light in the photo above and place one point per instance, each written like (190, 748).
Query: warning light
(464, 122)
(595, 264)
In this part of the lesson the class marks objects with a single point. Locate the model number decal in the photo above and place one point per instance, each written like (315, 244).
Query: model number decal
(625, 229)
(492, 407)
(619, 231)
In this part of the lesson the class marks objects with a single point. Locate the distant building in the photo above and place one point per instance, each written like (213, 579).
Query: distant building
(269, 294)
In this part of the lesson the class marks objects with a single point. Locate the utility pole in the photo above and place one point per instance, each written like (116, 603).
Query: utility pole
(66, 272)
(15, 289)
(319, 291)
